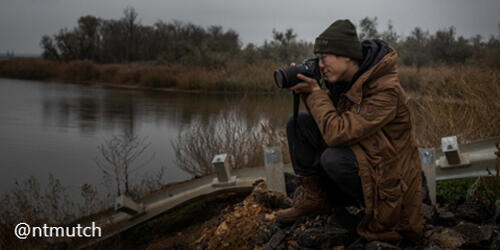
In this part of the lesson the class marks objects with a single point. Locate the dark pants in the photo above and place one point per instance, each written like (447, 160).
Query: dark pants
(312, 157)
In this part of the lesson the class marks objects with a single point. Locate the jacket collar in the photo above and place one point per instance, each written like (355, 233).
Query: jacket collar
(387, 64)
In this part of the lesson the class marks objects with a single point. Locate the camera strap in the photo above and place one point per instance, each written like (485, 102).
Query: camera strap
(296, 102)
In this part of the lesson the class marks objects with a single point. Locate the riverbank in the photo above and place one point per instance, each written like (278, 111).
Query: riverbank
(235, 77)
(474, 90)
(250, 223)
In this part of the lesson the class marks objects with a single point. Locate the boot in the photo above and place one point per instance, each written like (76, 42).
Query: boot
(314, 200)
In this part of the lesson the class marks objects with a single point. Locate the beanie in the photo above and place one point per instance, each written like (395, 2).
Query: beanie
(340, 39)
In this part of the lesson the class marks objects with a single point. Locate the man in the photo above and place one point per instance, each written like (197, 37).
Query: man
(358, 134)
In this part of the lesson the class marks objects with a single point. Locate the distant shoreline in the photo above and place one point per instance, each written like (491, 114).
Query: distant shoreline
(235, 78)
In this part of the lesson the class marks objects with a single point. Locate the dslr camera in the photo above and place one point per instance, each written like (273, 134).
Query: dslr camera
(287, 77)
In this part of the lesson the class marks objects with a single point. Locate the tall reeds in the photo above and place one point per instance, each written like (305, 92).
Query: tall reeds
(234, 77)
(445, 100)
(460, 100)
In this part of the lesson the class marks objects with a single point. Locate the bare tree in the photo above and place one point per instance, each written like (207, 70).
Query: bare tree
(390, 34)
(368, 28)
(119, 158)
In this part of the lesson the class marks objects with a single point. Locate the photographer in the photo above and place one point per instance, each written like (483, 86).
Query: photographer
(356, 141)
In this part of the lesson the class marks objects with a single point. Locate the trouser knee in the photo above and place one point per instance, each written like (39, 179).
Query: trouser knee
(340, 164)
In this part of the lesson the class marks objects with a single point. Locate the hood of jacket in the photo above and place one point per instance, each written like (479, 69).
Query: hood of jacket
(379, 59)
(373, 52)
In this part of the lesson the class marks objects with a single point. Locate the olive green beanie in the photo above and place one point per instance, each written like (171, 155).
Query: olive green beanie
(340, 39)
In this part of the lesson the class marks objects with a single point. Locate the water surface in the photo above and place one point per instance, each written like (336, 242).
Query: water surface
(55, 128)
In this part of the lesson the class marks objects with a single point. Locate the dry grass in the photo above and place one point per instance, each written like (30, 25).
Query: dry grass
(446, 100)
(461, 101)
(197, 144)
(236, 76)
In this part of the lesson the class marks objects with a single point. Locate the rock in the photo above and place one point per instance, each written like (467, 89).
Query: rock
(497, 212)
(269, 217)
(357, 245)
(378, 245)
(432, 248)
(475, 236)
(455, 203)
(265, 234)
(429, 213)
(495, 243)
(222, 228)
(319, 238)
(448, 239)
(473, 210)
(275, 240)
(445, 218)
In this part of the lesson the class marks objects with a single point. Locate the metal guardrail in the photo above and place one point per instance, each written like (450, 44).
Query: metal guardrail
(451, 161)
(454, 161)
(131, 213)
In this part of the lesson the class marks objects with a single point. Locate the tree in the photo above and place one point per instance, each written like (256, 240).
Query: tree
(414, 50)
(49, 49)
(284, 38)
(67, 43)
(90, 39)
(118, 159)
(368, 28)
(390, 36)
(131, 25)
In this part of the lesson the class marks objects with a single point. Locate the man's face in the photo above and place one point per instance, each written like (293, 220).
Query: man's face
(333, 67)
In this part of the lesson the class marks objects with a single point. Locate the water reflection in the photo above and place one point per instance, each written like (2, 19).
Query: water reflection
(118, 109)
(56, 127)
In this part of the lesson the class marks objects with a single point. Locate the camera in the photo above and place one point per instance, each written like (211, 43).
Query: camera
(287, 77)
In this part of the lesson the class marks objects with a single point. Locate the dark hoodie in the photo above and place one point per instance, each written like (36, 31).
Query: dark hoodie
(373, 51)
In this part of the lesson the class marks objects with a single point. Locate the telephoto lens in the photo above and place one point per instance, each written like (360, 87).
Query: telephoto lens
(287, 77)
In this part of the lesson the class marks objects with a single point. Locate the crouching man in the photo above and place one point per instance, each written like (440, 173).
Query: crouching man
(358, 136)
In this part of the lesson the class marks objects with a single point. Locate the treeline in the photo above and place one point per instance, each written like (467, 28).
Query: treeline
(421, 48)
(126, 40)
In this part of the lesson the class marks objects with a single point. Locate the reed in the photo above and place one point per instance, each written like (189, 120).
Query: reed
(460, 100)
(445, 100)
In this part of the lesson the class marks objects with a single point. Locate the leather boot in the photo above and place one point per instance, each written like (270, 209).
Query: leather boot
(314, 200)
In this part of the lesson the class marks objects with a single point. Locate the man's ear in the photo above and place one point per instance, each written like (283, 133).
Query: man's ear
(348, 60)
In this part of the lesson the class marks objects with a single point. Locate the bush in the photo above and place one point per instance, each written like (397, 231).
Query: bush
(80, 71)
(29, 68)
(196, 145)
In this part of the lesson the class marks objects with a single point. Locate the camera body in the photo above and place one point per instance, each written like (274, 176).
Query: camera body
(287, 77)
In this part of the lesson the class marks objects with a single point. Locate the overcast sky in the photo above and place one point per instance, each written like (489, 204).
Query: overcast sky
(23, 22)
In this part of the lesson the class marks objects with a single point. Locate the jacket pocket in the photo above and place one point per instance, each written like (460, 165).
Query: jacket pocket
(388, 203)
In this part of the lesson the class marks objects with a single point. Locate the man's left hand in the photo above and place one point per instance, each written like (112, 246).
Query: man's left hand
(307, 86)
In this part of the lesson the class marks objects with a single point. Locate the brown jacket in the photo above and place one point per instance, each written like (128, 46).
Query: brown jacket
(374, 120)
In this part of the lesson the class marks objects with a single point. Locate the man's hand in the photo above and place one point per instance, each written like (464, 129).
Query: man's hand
(307, 86)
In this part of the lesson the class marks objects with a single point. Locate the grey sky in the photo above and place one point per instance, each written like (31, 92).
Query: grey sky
(23, 22)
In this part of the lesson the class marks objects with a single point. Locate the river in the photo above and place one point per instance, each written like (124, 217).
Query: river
(56, 128)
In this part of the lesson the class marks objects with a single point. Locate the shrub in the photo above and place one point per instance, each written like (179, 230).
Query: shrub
(80, 71)
(29, 68)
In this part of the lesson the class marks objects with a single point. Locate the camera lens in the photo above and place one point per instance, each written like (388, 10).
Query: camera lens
(280, 78)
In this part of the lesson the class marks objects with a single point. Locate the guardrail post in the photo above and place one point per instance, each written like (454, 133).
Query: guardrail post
(427, 156)
(125, 204)
(222, 166)
(275, 177)
(473, 162)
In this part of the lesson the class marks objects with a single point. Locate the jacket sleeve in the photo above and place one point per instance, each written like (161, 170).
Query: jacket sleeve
(304, 100)
(352, 125)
